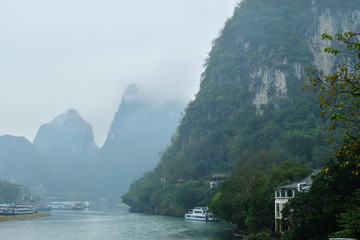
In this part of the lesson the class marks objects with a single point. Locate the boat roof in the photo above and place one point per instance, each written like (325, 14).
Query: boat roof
(220, 175)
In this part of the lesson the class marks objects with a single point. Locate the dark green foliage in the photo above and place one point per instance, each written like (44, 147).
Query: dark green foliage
(167, 198)
(9, 192)
(350, 222)
(313, 215)
(193, 193)
(247, 199)
(259, 236)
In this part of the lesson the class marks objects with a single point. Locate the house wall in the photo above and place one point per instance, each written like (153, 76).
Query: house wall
(281, 197)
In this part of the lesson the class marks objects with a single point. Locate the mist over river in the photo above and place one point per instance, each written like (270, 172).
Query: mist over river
(110, 224)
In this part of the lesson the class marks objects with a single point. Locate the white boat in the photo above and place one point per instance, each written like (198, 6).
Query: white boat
(200, 214)
(16, 209)
(67, 205)
(61, 205)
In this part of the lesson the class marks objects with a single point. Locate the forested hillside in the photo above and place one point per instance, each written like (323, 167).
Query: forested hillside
(9, 192)
(251, 107)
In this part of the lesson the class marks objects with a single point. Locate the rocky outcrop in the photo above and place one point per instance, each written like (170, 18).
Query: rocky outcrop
(330, 23)
(273, 84)
(270, 81)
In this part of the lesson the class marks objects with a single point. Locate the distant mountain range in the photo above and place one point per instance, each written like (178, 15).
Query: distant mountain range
(65, 162)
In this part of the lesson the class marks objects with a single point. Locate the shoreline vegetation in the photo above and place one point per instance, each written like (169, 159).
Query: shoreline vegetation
(23, 217)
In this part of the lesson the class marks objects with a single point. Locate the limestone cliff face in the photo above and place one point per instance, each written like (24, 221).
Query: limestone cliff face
(330, 22)
(274, 77)
(270, 78)
(260, 59)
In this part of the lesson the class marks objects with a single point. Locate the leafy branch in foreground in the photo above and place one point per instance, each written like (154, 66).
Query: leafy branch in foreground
(339, 92)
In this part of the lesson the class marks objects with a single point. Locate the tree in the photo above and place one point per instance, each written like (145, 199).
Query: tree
(350, 222)
(9, 192)
(312, 215)
(334, 192)
(247, 198)
(339, 92)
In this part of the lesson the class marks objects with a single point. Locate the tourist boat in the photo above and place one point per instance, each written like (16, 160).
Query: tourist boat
(16, 209)
(79, 206)
(68, 205)
(200, 214)
(61, 205)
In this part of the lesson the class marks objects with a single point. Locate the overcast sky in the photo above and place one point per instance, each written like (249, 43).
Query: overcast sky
(82, 54)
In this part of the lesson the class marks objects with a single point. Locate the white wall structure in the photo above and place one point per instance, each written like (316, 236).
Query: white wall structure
(284, 193)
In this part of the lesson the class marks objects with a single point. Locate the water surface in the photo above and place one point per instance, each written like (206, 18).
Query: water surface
(111, 224)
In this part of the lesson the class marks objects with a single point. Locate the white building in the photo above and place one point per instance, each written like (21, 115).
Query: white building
(286, 192)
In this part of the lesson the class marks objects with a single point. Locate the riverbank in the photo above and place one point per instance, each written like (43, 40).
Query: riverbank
(22, 217)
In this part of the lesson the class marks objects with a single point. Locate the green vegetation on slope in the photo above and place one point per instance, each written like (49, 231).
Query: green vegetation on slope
(313, 215)
(222, 130)
(9, 192)
(247, 199)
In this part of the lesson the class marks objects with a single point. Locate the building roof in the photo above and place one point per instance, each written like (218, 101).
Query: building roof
(307, 181)
(224, 175)
(220, 175)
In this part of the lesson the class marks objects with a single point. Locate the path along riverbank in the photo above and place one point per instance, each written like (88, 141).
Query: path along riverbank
(22, 217)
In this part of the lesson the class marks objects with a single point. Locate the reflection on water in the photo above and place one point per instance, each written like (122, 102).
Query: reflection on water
(111, 224)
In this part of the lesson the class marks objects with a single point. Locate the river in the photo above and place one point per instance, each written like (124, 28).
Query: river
(110, 224)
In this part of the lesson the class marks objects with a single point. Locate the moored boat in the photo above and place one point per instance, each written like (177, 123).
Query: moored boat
(16, 209)
(58, 206)
(68, 205)
(200, 214)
